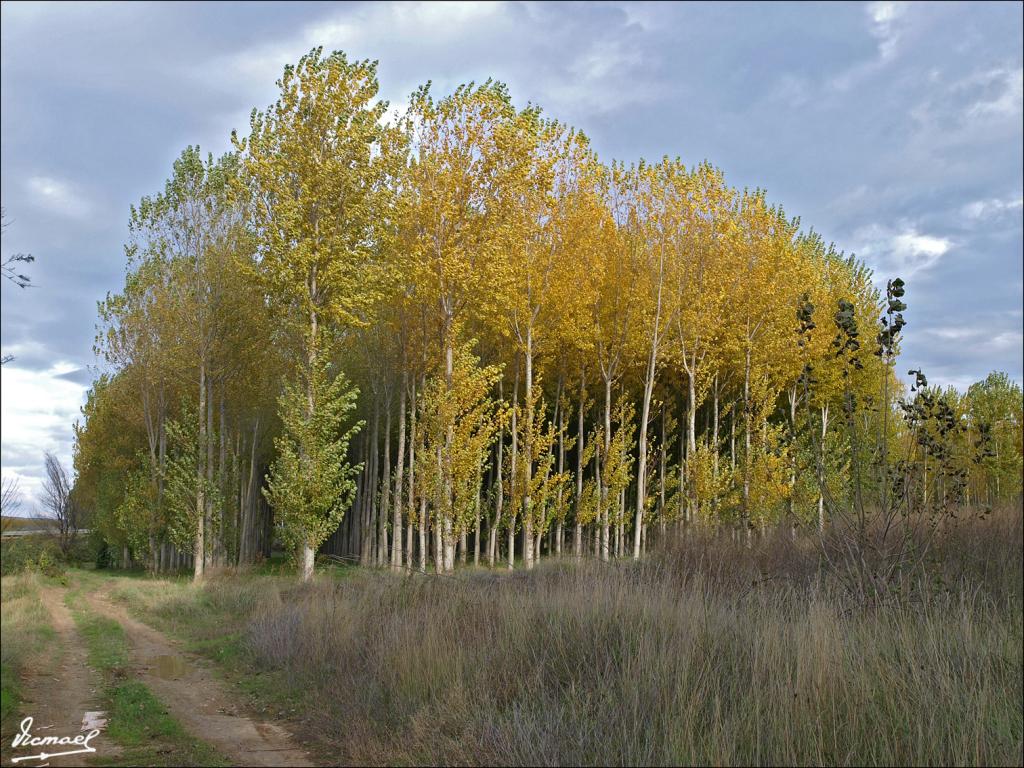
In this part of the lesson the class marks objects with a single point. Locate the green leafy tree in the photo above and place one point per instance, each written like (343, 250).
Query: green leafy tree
(994, 407)
(312, 483)
(188, 489)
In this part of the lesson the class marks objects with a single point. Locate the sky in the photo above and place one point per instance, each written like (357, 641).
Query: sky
(894, 130)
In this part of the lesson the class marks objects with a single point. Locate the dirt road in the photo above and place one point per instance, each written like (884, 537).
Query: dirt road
(196, 698)
(61, 693)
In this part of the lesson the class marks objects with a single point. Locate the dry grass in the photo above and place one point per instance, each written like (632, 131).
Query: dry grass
(27, 633)
(708, 652)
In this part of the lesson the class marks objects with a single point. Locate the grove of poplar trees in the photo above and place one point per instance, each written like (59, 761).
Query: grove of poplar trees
(459, 335)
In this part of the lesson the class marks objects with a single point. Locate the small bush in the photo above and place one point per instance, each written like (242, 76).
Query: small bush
(31, 554)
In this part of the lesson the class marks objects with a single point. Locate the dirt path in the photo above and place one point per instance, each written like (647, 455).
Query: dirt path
(197, 699)
(59, 694)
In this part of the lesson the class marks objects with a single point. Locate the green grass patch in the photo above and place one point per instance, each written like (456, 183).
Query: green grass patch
(108, 647)
(148, 735)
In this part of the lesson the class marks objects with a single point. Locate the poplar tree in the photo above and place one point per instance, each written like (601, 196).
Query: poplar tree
(316, 165)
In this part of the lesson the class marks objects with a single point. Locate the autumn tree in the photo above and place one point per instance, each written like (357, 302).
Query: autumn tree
(315, 165)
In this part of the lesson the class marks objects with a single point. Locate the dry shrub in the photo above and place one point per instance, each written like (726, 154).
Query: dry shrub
(709, 651)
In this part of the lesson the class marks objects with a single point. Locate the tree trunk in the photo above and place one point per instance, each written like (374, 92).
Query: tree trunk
(249, 527)
(439, 563)
(396, 523)
(385, 488)
(446, 521)
(662, 468)
(598, 519)
(604, 480)
(358, 520)
(222, 455)
(821, 469)
(577, 540)
(412, 488)
(308, 557)
(746, 437)
(683, 509)
(792, 396)
(620, 533)
(476, 527)
(652, 362)
(199, 544)
(528, 457)
(211, 547)
(499, 491)
(714, 440)
(423, 533)
(641, 472)
(512, 474)
(732, 439)
(448, 540)
(368, 549)
(557, 548)
(691, 435)
(236, 476)
(409, 526)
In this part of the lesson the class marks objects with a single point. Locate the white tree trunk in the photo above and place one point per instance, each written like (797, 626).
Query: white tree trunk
(528, 543)
(200, 543)
(604, 480)
(308, 557)
(396, 523)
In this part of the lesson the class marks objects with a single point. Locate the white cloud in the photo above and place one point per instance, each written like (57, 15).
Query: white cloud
(885, 19)
(601, 79)
(642, 15)
(979, 339)
(915, 253)
(993, 207)
(900, 253)
(370, 27)
(585, 75)
(57, 196)
(887, 22)
(37, 409)
(951, 334)
(1008, 340)
(792, 90)
(1004, 95)
(969, 108)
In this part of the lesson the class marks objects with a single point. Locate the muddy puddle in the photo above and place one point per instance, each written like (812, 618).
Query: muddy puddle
(169, 667)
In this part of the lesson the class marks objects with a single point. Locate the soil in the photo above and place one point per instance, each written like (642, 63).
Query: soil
(198, 700)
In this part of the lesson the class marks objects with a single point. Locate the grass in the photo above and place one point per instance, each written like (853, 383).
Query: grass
(705, 652)
(26, 633)
(137, 721)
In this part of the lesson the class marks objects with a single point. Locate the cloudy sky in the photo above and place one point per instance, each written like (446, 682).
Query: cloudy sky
(893, 129)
